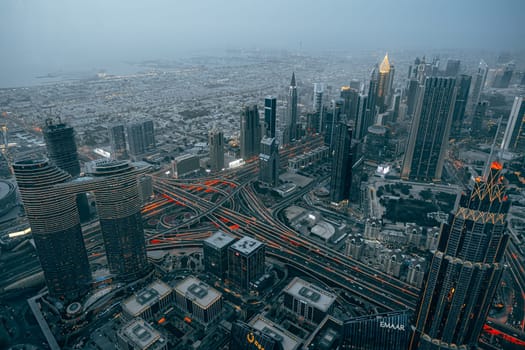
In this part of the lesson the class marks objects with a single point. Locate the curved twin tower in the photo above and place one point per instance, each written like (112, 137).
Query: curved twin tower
(49, 196)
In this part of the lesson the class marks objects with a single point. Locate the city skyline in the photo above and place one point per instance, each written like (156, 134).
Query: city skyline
(62, 37)
(210, 201)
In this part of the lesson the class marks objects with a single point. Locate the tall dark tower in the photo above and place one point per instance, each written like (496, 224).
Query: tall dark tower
(62, 151)
(269, 162)
(117, 142)
(216, 144)
(55, 226)
(136, 143)
(270, 116)
(372, 95)
(341, 164)
(350, 97)
(452, 68)
(430, 130)
(148, 129)
(61, 146)
(463, 85)
(250, 132)
(118, 205)
(331, 117)
(292, 110)
(466, 269)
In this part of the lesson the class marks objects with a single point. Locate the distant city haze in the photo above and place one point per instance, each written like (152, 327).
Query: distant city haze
(61, 36)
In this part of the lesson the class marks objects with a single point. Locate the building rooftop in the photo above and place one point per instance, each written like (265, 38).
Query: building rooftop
(246, 245)
(197, 291)
(312, 294)
(184, 157)
(324, 230)
(139, 333)
(139, 302)
(219, 239)
(274, 331)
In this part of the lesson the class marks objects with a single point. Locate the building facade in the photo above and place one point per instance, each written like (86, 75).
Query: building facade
(250, 132)
(466, 268)
(390, 330)
(117, 142)
(341, 179)
(55, 226)
(308, 300)
(215, 251)
(246, 261)
(291, 122)
(458, 116)
(216, 144)
(270, 116)
(118, 204)
(269, 162)
(62, 151)
(427, 145)
(514, 137)
(198, 299)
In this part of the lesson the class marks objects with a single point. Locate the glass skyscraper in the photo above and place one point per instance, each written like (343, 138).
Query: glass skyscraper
(250, 132)
(430, 130)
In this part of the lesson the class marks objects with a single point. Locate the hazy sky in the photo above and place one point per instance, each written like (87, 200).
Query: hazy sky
(38, 35)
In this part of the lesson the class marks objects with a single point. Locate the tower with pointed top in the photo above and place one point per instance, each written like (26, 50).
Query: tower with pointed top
(291, 122)
(384, 84)
(466, 268)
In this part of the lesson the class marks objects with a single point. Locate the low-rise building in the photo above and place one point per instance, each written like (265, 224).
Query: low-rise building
(148, 302)
(308, 300)
(201, 301)
(137, 334)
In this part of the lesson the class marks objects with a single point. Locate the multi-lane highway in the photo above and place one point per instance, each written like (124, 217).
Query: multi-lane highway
(370, 284)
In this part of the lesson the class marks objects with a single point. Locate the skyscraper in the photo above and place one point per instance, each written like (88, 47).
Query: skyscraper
(318, 97)
(148, 136)
(463, 86)
(270, 116)
(117, 142)
(331, 117)
(478, 83)
(269, 162)
(514, 137)
(363, 117)
(430, 130)
(384, 84)
(118, 204)
(372, 95)
(466, 268)
(452, 68)
(55, 226)
(291, 123)
(216, 144)
(250, 132)
(136, 143)
(61, 146)
(62, 151)
(350, 97)
(341, 164)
